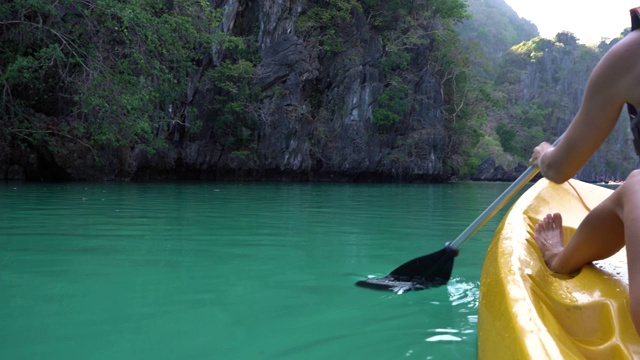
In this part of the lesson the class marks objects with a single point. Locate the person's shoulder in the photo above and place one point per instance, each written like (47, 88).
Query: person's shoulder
(621, 67)
(629, 46)
(622, 59)
(632, 38)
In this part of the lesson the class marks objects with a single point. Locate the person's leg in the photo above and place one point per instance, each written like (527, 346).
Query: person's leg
(609, 226)
(631, 217)
(600, 235)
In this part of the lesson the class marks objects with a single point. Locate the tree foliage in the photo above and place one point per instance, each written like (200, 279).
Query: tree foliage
(235, 96)
(393, 104)
(103, 72)
(324, 19)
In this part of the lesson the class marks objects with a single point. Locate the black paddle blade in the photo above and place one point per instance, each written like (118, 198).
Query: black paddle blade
(424, 272)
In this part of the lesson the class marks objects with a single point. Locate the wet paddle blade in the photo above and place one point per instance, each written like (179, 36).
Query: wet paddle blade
(424, 272)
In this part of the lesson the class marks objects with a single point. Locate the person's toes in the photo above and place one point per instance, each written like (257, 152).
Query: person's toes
(557, 220)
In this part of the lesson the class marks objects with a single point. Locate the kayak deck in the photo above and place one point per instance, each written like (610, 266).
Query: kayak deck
(528, 312)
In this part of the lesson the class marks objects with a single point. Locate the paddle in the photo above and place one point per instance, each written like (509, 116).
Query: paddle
(435, 269)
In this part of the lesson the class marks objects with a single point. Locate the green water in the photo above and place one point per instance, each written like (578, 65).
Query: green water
(234, 271)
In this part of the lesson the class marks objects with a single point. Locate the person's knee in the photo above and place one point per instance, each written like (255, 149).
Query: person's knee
(633, 178)
(632, 182)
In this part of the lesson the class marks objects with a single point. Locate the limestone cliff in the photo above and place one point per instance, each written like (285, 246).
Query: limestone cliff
(335, 90)
(307, 113)
(546, 80)
(315, 114)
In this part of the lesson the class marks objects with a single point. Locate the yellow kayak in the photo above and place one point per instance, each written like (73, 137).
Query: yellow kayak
(528, 312)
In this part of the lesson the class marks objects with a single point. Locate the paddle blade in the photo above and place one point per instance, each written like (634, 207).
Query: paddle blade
(420, 273)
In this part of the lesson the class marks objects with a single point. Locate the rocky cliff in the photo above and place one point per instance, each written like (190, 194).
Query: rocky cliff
(336, 90)
(315, 115)
(546, 80)
(312, 120)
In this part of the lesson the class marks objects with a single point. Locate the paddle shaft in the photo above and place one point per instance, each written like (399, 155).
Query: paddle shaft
(497, 204)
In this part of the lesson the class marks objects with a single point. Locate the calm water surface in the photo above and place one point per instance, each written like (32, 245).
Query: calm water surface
(234, 270)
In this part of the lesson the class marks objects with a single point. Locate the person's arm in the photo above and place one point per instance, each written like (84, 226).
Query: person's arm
(604, 98)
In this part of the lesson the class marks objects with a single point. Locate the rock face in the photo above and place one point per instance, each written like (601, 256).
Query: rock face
(317, 110)
(314, 121)
(549, 77)
(489, 171)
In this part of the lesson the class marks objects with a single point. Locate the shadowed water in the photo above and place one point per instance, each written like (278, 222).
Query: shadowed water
(234, 270)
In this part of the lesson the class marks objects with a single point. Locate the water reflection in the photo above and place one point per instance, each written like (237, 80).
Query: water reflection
(461, 292)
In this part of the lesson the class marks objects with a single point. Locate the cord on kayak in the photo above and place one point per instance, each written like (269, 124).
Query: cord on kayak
(579, 197)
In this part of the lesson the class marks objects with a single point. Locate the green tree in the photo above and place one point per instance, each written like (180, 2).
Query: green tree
(392, 104)
(235, 104)
(106, 73)
(324, 19)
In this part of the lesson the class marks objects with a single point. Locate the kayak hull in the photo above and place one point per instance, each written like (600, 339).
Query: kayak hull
(527, 312)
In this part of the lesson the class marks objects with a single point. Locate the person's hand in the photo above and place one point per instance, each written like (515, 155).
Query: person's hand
(538, 151)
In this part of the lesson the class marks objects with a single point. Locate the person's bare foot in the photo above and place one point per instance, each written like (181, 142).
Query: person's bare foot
(550, 238)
